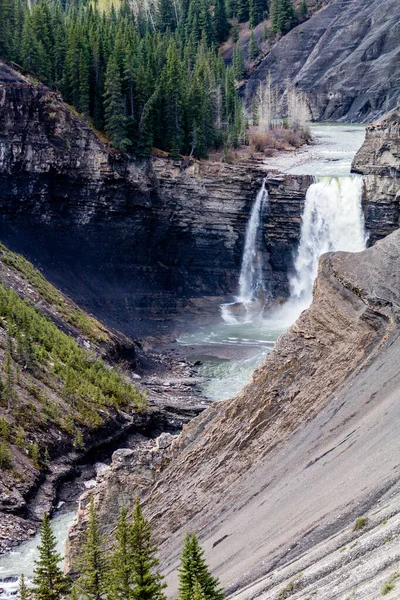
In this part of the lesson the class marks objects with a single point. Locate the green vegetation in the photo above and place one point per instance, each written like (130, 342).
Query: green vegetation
(194, 575)
(389, 585)
(49, 581)
(47, 380)
(151, 77)
(93, 564)
(360, 523)
(72, 315)
(128, 571)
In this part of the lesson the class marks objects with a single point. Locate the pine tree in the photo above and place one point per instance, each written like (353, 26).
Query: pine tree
(304, 9)
(243, 12)
(172, 92)
(114, 106)
(23, 591)
(92, 582)
(253, 50)
(166, 20)
(5, 32)
(235, 31)
(221, 24)
(49, 581)
(121, 576)
(194, 573)
(148, 583)
(238, 62)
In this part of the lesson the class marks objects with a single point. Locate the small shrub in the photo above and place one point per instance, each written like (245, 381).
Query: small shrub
(5, 456)
(389, 585)
(262, 141)
(79, 443)
(360, 523)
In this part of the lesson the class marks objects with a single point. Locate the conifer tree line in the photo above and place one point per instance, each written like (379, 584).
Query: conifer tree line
(127, 572)
(145, 77)
(146, 80)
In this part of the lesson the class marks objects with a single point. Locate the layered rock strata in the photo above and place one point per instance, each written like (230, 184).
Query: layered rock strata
(309, 445)
(379, 161)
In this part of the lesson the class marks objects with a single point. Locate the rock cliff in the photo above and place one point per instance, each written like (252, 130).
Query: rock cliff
(345, 57)
(273, 480)
(379, 161)
(143, 246)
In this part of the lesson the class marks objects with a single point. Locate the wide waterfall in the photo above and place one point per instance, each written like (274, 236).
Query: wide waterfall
(250, 299)
(332, 220)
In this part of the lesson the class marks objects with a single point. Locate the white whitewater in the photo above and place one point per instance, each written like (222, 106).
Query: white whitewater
(251, 275)
(332, 220)
(249, 301)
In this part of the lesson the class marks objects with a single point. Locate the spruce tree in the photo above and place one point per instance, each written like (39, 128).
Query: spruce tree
(92, 582)
(253, 50)
(49, 581)
(221, 24)
(23, 591)
(147, 582)
(5, 33)
(115, 121)
(194, 575)
(120, 575)
(238, 62)
(165, 18)
(304, 9)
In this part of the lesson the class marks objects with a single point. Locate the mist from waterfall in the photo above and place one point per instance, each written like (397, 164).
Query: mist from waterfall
(250, 300)
(332, 220)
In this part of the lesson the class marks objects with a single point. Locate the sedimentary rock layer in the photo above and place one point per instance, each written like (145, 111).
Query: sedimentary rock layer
(143, 245)
(379, 161)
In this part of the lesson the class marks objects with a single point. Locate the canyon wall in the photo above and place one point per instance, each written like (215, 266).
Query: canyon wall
(345, 58)
(145, 246)
(379, 161)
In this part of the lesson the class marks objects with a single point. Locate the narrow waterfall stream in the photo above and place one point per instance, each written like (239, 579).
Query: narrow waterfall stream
(249, 302)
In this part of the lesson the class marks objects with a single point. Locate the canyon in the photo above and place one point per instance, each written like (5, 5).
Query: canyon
(152, 248)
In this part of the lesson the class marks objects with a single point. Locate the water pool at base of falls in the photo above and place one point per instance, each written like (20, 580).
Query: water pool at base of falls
(229, 353)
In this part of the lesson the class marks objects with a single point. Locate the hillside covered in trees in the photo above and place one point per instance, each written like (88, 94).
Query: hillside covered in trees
(147, 74)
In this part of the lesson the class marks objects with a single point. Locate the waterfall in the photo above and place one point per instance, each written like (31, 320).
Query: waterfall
(251, 276)
(332, 220)
(250, 300)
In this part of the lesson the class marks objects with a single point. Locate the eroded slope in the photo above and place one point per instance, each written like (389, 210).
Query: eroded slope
(308, 445)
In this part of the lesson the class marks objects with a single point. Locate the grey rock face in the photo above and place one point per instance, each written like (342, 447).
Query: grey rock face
(273, 480)
(345, 57)
(379, 161)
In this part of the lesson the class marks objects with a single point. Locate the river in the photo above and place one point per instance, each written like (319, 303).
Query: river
(229, 351)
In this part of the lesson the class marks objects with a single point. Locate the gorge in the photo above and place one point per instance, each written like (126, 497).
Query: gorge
(270, 371)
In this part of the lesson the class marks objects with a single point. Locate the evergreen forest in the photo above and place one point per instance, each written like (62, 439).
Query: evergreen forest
(148, 74)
